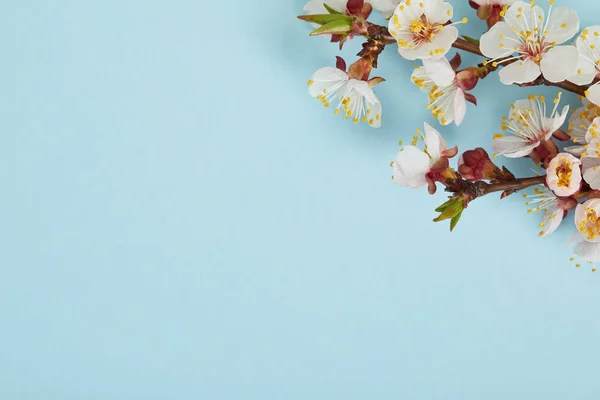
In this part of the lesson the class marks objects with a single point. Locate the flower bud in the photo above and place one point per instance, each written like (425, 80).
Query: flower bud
(476, 164)
(467, 78)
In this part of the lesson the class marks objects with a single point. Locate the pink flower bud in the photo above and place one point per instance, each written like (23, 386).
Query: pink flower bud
(476, 164)
(467, 78)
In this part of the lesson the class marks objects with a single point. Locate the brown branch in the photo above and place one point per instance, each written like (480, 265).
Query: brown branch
(381, 33)
(516, 185)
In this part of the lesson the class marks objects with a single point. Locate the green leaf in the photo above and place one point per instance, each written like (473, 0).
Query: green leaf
(454, 221)
(339, 26)
(445, 205)
(331, 10)
(323, 19)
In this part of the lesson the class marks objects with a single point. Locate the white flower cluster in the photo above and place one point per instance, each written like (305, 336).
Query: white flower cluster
(530, 46)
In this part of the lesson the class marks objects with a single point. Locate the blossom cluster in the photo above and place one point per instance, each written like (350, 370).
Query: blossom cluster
(527, 45)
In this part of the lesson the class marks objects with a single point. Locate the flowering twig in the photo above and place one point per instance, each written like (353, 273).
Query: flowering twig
(525, 46)
(382, 33)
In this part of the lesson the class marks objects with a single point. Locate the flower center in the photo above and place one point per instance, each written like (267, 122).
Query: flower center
(590, 226)
(564, 173)
(423, 30)
(533, 47)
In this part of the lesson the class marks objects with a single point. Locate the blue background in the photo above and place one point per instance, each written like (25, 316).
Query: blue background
(180, 220)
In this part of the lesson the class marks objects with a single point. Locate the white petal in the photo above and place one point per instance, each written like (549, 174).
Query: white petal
(326, 79)
(592, 176)
(438, 11)
(552, 220)
(364, 89)
(588, 251)
(440, 71)
(385, 7)
(575, 150)
(580, 213)
(444, 40)
(435, 142)
(593, 94)
(593, 131)
(554, 124)
(460, 107)
(559, 63)
(519, 107)
(585, 72)
(410, 167)
(421, 79)
(563, 24)
(374, 113)
(525, 16)
(514, 146)
(419, 52)
(498, 41)
(405, 13)
(588, 44)
(520, 72)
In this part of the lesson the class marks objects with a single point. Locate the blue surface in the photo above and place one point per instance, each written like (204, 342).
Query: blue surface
(181, 221)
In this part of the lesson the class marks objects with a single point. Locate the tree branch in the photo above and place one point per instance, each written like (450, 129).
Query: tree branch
(381, 33)
(516, 185)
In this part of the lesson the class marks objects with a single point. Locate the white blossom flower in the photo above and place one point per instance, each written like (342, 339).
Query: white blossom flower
(421, 30)
(534, 39)
(563, 175)
(385, 7)
(529, 126)
(543, 200)
(584, 126)
(413, 165)
(447, 100)
(587, 221)
(356, 97)
(588, 67)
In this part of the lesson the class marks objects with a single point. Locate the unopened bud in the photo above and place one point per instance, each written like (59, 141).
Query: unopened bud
(476, 164)
(467, 78)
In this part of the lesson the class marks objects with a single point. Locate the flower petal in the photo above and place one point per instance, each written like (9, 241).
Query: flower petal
(420, 78)
(591, 172)
(575, 150)
(525, 16)
(554, 124)
(514, 146)
(584, 73)
(498, 41)
(440, 71)
(593, 94)
(563, 24)
(460, 107)
(374, 113)
(588, 251)
(559, 63)
(410, 167)
(552, 220)
(438, 11)
(520, 72)
(327, 79)
(444, 40)
(435, 143)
